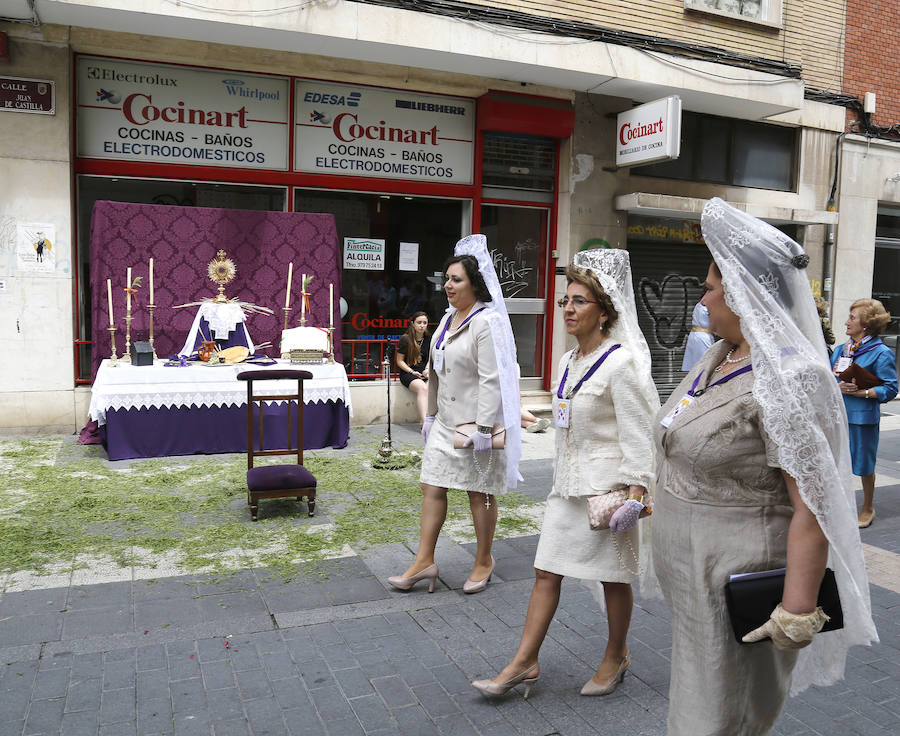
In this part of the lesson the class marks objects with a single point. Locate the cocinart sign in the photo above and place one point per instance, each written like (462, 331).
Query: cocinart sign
(134, 111)
(649, 133)
(368, 131)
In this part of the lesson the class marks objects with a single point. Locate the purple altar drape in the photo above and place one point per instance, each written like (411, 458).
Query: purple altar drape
(182, 241)
(183, 430)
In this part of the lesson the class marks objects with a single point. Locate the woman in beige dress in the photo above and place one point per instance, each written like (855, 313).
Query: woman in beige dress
(754, 476)
(473, 379)
(602, 444)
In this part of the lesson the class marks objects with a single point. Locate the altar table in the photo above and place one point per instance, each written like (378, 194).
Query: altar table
(157, 411)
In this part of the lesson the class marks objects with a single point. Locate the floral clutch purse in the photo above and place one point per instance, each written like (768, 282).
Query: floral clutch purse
(601, 508)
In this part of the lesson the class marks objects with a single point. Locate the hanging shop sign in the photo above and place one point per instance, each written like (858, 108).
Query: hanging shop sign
(133, 111)
(649, 133)
(364, 254)
(27, 95)
(370, 131)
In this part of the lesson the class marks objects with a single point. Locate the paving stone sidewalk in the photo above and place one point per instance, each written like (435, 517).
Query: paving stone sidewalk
(337, 651)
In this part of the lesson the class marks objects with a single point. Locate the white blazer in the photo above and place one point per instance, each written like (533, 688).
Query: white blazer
(467, 389)
(609, 441)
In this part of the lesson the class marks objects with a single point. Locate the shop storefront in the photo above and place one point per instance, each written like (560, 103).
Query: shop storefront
(405, 174)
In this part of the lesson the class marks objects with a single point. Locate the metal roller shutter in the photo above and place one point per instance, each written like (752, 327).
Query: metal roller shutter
(668, 282)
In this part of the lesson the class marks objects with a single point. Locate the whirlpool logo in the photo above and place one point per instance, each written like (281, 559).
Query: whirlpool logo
(238, 88)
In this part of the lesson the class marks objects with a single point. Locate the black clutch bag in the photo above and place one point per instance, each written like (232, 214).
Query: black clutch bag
(751, 597)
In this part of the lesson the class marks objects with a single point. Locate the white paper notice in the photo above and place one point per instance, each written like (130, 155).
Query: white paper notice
(409, 257)
(36, 248)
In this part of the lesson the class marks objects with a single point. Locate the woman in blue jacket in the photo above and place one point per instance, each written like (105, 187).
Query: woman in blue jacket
(866, 321)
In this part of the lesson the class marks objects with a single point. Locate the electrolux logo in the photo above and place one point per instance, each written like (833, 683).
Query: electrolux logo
(325, 98)
(113, 75)
(236, 88)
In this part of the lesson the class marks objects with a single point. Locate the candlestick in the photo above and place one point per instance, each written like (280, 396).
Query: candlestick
(109, 299)
(287, 296)
(127, 355)
(151, 307)
(112, 339)
(128, 290)
(330, 345)
(331, 306)
(303, 300)
(151, 286)
(287, 312)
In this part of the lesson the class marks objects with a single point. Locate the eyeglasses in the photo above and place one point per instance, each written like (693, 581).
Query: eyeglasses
(577, 301)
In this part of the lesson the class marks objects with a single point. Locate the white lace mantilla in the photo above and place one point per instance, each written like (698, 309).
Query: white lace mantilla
(139, 387)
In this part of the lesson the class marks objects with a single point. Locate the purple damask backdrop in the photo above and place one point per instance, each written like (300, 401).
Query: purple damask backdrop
(182, 241)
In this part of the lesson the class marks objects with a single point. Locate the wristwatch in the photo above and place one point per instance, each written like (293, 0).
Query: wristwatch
(484, 429)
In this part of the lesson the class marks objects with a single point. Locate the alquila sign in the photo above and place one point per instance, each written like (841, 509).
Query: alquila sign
(152, 112)
(368, 131)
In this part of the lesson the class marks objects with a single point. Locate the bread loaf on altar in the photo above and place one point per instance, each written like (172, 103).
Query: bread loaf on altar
(304, 338)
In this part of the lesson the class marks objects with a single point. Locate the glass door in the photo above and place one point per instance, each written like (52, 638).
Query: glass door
(517, 238)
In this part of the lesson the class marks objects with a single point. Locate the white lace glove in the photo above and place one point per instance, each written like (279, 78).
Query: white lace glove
(789, 630)
(426, 427)
(626, 516)
(479, 441)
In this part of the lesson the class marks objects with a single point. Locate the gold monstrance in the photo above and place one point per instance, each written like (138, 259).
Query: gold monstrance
(221, 271)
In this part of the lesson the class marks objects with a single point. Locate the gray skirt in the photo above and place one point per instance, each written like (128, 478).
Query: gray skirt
(445, 467)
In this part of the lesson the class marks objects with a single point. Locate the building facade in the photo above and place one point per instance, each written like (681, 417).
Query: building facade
(412, 127)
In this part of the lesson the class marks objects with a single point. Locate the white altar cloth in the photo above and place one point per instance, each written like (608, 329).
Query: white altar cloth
(128, 386)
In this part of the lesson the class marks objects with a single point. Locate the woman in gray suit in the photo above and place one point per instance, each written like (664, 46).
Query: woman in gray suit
(472, 380)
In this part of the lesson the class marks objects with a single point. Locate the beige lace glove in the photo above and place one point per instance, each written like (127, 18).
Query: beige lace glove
(789, 630)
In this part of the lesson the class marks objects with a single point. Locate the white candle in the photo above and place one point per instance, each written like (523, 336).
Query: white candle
(151, 281)
(331, 305)
(302, 296)
(109, 299)
(128, 290)
(287, 296)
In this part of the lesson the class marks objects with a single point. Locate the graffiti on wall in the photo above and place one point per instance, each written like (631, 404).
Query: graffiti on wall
(512, 272)
(669, 303)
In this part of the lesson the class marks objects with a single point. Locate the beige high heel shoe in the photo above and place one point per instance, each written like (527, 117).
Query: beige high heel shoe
(592, 688)
(476, 586)
(401, 583)
(489, 687)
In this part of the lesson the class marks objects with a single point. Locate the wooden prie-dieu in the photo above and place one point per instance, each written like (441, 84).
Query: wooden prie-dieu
(283, 480)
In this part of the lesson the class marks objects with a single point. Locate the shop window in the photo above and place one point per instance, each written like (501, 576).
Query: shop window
(767, 12)
(733, 152)
(149, 191)
(519, 162)
(376, 304)
(886, 274)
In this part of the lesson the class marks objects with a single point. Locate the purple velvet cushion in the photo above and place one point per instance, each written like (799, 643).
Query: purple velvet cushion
(279, 477)
(273, 375)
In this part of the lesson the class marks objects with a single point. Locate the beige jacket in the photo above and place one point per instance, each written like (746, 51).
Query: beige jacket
(468, 387)
(609, 441)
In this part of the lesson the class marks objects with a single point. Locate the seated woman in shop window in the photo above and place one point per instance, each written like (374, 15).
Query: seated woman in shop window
(412, 360)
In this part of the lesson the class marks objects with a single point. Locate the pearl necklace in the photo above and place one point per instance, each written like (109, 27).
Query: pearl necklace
(728, 361)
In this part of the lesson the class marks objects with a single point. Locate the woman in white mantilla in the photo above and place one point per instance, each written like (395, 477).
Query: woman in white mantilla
(755, 476)
(605, 400)
(473, 380)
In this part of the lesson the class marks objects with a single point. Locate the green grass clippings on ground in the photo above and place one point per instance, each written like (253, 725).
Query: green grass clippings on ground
(61, 508)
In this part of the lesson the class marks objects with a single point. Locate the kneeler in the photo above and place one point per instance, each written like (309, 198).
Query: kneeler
(284, 480)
